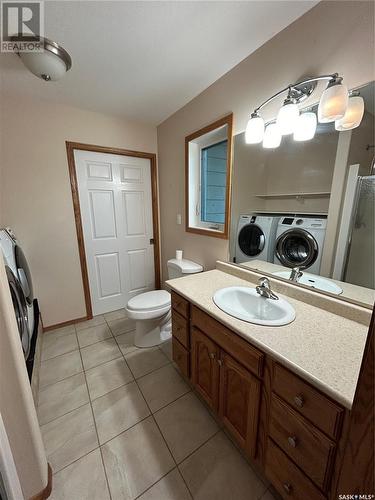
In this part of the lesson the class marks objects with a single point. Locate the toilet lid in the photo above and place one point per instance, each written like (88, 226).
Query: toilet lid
(150, 300)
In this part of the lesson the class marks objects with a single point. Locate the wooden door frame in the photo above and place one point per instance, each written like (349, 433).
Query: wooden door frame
(70, 147)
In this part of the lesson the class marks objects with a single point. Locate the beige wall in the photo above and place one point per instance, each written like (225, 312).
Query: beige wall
(332, 37)
(16, 401)
(36, 196)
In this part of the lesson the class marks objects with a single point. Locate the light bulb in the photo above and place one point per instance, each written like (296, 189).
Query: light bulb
(287, 117)
(353, 115)
(272, 136)
(333, 103)
(305, 127)
(255, 129)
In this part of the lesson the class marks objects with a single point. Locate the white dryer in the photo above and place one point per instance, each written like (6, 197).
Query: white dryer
(255, 237)
(20, 283)
(299, 242)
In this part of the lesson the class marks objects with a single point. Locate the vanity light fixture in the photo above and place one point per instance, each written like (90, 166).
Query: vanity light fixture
(255, 129)
(354, 113)
(333, 105)
(272, 136)
(333, 102)
(51, 64)
(305, 127)
(287, 117)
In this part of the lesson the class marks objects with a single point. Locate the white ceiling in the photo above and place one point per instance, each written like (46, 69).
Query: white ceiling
(145, 60)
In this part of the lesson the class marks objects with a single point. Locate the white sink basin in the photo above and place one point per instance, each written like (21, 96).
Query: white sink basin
(314, 281)
(245, 303)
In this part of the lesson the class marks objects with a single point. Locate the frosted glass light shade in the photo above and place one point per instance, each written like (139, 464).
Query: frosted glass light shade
(305, 127)
(44, 63)
(353, 115)
(272, 136)
(287, 118)
(333, 103)
(254, 130)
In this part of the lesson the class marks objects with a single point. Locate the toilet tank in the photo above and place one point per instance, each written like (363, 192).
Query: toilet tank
(178, 268)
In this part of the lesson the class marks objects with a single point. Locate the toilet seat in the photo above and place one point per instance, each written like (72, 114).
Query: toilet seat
(149, 305)
(150, 300)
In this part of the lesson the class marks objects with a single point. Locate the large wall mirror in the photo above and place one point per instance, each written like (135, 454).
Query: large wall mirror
(208, 164)
(304, 211)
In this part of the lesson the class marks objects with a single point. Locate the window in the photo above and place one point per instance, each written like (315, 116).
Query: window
(207, 169)
(213, 182)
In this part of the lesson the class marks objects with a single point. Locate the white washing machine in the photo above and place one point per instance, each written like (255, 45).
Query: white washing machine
(255, 237)
(299, 242)
(20, 283)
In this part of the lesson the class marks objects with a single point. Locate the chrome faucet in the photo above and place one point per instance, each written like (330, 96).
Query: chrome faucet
(295, 274)
(264, 289)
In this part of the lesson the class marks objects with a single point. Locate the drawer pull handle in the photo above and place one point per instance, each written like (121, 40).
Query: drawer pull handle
(219, 362)
(299, 401)
(288, 488)
(292, 441)
(212, 355)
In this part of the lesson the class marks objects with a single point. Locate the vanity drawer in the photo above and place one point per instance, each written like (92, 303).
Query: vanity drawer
(301, 441)
(288, 480)
(229, 341)
(180, 305)
(180, 328)
(181, 357)
(313, 405)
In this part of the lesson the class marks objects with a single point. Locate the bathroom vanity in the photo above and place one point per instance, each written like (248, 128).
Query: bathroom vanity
(284, 393)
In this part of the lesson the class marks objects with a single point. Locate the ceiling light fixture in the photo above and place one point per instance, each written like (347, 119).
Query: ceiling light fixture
(334, 105)
(51, 64)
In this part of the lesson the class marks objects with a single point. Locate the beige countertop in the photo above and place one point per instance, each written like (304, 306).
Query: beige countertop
(323, 348)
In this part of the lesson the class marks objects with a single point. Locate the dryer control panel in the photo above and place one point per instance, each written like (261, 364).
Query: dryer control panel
(305, 222)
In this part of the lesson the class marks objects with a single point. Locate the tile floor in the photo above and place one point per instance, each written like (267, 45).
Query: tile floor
(120, 423)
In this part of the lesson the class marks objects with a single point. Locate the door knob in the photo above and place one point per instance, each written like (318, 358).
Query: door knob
(299, 401)
(288, 488)
(292, 441)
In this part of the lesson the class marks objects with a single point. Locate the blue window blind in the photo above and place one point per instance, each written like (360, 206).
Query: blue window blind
(213, 182)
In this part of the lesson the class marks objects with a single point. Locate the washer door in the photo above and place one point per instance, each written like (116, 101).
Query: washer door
(297, 248)
(20, 310)
(24, 274)
(251, 240)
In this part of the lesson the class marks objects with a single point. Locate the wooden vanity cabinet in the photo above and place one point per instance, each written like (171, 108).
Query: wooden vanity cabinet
(205, 367)
(292, 430)
(180, 333)
(227, 387)
(239, 398)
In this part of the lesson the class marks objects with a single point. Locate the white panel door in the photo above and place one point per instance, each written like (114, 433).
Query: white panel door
(116, 209)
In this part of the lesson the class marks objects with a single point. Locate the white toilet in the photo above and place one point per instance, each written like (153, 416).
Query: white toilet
(152, 310)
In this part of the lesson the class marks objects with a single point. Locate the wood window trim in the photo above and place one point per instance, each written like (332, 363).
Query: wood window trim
(226, 120)
(70, 147)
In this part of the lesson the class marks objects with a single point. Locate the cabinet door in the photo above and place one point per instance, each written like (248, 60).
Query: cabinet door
(239, 402)
(205, 368)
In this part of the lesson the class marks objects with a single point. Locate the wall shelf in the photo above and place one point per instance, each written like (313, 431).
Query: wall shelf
(318, 194)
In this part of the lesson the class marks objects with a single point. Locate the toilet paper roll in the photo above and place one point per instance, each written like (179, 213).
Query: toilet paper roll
(179, 254)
